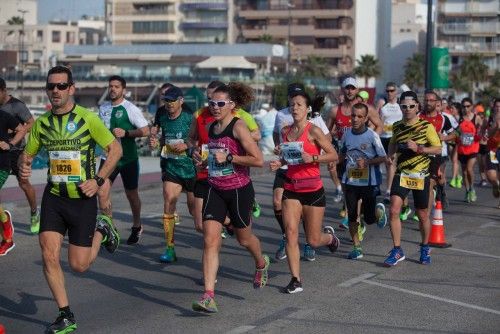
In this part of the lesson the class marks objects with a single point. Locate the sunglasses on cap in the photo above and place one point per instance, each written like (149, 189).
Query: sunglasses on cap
(219, 104)
(60, 86)
(408, 106)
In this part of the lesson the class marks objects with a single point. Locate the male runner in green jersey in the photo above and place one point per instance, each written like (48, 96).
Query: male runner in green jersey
(70, 133)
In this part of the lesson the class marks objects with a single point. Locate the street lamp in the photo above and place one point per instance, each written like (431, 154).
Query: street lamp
(21, 49)
(288, 60)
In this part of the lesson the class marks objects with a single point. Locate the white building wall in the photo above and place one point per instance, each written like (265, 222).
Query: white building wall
(10, 8)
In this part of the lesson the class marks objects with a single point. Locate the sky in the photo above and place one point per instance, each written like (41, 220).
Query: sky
(68, 9)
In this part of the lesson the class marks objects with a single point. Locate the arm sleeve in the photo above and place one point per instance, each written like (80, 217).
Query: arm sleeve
(33, 145)
(248, 119)
(136, 117)
(99, 132)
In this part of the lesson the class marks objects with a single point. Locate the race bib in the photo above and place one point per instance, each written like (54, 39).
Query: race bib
(412, 181)
(168, 153)
(291, 152)
(218, 169)
(204, 152)
(65, 166)
(357, 176)
(466, 139)
(493, 157)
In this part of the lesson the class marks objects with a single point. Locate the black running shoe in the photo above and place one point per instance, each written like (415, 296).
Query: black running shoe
(65, 323)
(111, 238)
(134, 235)
(294, 286)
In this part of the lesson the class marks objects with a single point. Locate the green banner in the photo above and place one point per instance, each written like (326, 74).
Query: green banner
(440, 68)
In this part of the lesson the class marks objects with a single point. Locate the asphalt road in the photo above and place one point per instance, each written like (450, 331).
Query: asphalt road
(131, 292)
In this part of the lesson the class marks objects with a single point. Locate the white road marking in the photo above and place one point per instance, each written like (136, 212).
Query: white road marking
(356, 280)
(474, 253)
(241, 329)
(490, 224)
(450, 301)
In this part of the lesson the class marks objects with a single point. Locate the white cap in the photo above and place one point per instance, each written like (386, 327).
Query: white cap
(265, 106)
(349, 81)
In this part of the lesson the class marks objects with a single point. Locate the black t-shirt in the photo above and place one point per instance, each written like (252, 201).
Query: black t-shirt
(18, 109)
(7, 122)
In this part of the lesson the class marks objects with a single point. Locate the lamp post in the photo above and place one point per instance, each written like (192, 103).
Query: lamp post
(289, 55)
(21, 49)
(428, 45)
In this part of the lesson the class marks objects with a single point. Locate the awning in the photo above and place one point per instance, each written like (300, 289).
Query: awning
(226, 62)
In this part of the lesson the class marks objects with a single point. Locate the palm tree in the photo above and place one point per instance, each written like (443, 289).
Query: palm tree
(474, 71)
(414, 71)
(368, 67)
(266, 38)
(316, 67)
(15, 20)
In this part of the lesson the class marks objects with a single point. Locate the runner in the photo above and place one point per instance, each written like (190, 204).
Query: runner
(413, 140)
(7, 145)
(483, 145)
(389, 113)
(177, 171)
(69, 133)
(232, 150)
(362, 153)
(285, 118)
(492, 130)
(126, 122)
(304, 195)
(456, 178)
(468, 147)
(19, 110)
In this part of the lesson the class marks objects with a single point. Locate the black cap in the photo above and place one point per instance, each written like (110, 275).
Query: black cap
(296, 89)
(173, 93)
(3, 85)
(408, 95)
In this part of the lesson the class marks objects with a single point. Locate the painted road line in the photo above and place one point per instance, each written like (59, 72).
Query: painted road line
(490, 224)
(474, 253)
(279, 315)
(450, 301)
(241, 330)
(356, 280)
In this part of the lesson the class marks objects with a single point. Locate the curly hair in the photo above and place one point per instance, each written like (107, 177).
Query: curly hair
(238, 92)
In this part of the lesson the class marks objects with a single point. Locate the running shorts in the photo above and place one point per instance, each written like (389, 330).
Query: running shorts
(420, 197)
(313, 198)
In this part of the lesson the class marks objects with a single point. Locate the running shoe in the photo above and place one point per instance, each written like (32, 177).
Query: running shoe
(355, 254)
(472, 196)
(381, 215)
(65, 323)
(7, 227)
(496, 190)
(223, 234)
(405, 213)
(111, 239)
(35, 222)
(260, 278)
(387, 197)
(168, 256)
(309, 253)
(256, 209)
(334, 245)
(483, 183)
(459, 182)
(205, 304)
(281, 252)
(6, 247)
(135, 235)
(177, 219)
(361, 231)
(395, 255)
(343, 211)
(229, 230)
(338, 196)
(425, 255)
(454, 182)
(294, 286)
(344, 223)
(444, 200)
(415, 217)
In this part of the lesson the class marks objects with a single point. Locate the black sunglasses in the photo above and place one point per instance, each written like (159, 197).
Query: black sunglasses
(219, 104)
(466, 105)
(390, 90)
(170, 100)
(60, 86)
(408, 106)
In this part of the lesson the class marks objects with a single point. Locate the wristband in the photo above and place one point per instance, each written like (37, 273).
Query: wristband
(127, 134)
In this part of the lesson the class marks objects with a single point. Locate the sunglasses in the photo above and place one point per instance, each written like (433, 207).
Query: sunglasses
(408, 106)
(350, 87)
(219, 104)
(60, 86)
(390, 90)
(466, 105)
(170, 101)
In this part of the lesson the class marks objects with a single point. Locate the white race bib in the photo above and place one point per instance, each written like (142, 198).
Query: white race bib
(65, 166)
(168, 153)
(215, 169)
(292, 151)
(467, 139)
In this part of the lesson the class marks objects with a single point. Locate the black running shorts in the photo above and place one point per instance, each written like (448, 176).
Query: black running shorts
(186, 184)
(201, 188)
(312, 198)
(279, 179)
(369, 196)
(420, 197)
(128, 172)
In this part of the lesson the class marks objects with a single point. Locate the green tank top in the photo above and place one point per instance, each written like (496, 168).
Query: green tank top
(120, 119)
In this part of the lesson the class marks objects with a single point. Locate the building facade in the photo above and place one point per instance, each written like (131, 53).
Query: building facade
(470, 26)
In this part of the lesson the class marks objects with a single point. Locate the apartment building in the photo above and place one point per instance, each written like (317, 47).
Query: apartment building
(322, 28)
(169, 21)
(470, 26)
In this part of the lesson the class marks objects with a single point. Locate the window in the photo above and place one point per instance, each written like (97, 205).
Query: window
(153, 27)
(36, 56)
(56, 36)
(327, 24)
(70, 37)
(303, 22)
(303, 40)
(39, 35)
(283, 22)
(327, 43)
(23, 56)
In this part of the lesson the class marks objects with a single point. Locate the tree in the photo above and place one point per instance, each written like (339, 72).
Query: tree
(414, 71)
(492, 90)
(368, 67)
(266, 38)
(474, 71)
(316, 67)
(15, 20)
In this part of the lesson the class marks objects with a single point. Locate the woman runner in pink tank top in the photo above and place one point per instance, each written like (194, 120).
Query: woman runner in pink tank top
(304, 196)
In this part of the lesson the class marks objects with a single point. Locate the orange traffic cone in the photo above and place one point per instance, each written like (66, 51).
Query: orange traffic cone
(436, 238)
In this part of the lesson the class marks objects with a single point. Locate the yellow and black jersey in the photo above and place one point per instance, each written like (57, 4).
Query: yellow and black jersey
(70, 140)
(422, 133)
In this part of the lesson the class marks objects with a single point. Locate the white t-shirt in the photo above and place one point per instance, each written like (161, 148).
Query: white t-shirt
(390, 113)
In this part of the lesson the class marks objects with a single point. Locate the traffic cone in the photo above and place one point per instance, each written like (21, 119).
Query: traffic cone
(436, 238)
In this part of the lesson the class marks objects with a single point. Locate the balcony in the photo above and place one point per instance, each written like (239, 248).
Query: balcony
(284, 14)
(486, 49)
(473, 28)
(203, 5)
(470, 8)
(281, 31)
(204, 25)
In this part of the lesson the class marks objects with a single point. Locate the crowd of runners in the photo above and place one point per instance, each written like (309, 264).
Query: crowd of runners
(207, 155)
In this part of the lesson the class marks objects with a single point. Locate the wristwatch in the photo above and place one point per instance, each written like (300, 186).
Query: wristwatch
(99, 180)
(229, 158)
(315, 158)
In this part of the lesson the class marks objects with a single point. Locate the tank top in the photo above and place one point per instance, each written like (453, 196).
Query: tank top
(390, 113)
(226, 176)
(203, 119)
(467, 143)
(303, 177)
(342, 123)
